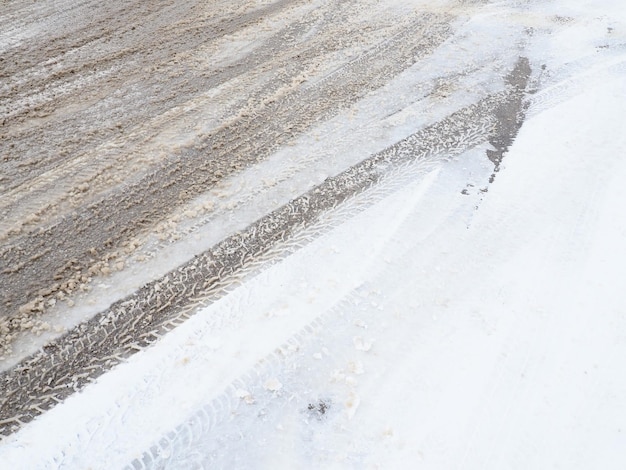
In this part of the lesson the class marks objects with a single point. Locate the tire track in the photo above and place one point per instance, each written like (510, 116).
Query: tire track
(109, 66)
(88, 234)
(86, 352)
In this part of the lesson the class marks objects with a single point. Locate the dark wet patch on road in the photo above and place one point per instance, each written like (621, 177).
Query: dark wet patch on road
(510, 114)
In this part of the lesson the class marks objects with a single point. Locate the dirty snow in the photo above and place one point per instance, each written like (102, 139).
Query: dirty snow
(454, 331)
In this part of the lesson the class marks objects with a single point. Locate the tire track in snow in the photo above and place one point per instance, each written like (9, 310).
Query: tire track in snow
(95, 232)
(86, 352)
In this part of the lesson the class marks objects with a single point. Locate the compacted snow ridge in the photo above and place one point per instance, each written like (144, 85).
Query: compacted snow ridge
(312, 234)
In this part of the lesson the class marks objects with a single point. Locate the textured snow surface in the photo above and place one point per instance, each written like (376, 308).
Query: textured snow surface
(434, 329)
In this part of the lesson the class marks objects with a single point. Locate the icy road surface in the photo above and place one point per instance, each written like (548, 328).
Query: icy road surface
(313, 234)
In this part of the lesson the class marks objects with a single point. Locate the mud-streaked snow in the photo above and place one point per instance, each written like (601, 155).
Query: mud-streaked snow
(453, 331)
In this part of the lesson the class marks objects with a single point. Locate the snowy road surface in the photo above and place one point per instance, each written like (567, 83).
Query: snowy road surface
(313, 234)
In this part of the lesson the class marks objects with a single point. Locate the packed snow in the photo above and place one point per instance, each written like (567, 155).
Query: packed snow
(452, 323)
